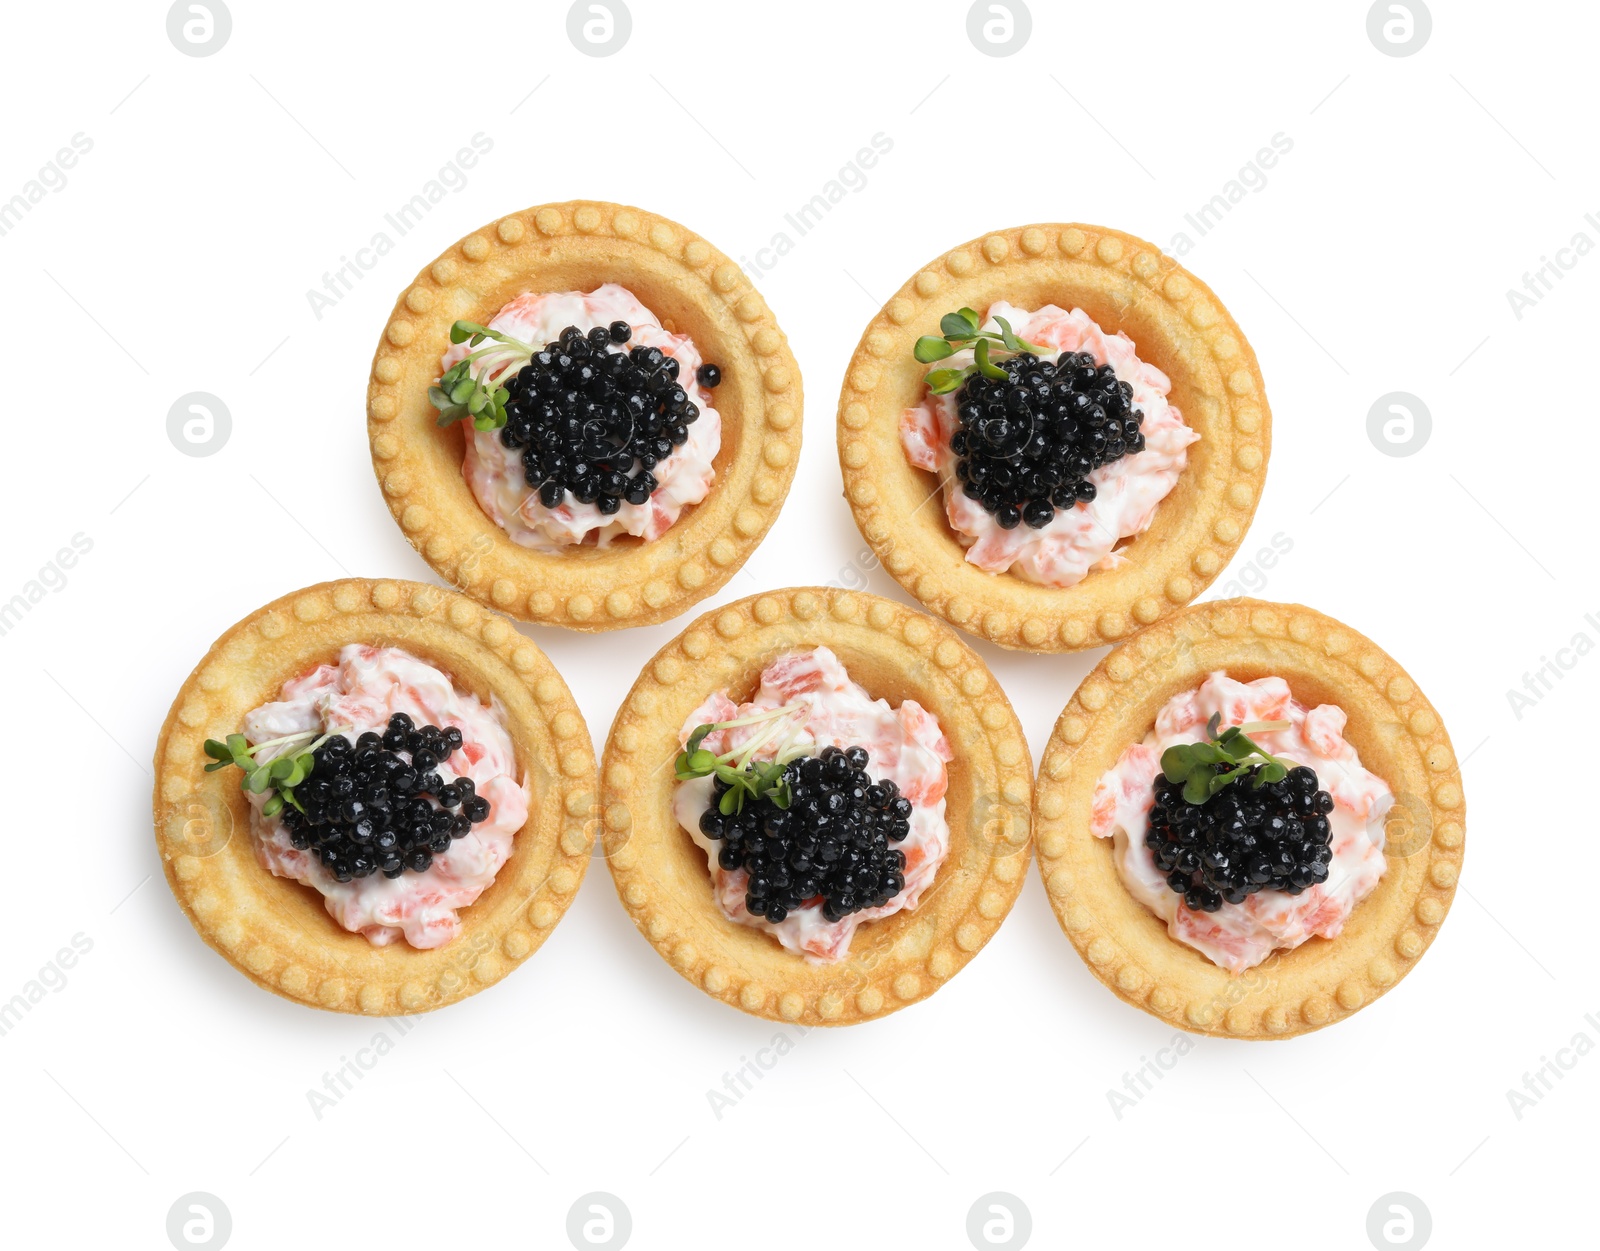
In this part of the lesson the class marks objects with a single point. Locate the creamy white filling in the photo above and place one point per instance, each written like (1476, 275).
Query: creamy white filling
(1127, 490)
(495, 471)
(360, 693)
(1240, 936)
(905, 746)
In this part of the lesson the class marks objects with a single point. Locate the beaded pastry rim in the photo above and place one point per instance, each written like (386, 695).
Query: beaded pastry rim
(1399, 736)
(661, 875)
(418, 465)
(912, 538)
(261, 923)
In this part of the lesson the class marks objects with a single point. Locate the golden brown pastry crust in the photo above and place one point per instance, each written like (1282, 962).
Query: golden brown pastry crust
(896, 654)
(276, 931)
(693, 289)
(1178, 325)
(1398, 736)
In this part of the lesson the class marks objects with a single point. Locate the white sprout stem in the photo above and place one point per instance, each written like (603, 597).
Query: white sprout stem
(287, 738)
(755, 717)
(338, 729)
(747, 752)
(1265, 727)
(789, 745)
(505, 355)
(302, 734)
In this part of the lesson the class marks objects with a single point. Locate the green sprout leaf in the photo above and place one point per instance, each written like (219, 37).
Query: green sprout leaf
(742, 775)
(1194, 765)
(1175, 764)
(962, 329)
(275, 777)
(1274, 772)
(299, 770)
(980, 352)
(962, 324)
(470, 389)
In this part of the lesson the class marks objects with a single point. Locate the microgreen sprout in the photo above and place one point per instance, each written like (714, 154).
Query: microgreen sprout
(744, 776)
(471, 389)
(958, 330)
(281, 774)
(1194, 764)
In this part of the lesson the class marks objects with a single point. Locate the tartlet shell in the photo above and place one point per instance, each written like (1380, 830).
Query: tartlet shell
(276, 931)
(1398, 735)
(1177, 324)
(895, 653)
(693, 289)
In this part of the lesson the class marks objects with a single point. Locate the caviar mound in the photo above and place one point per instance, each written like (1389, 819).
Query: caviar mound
(367, 808)
(830, 842)
(1178, 326)
(276, 931)
(595, 421)
(1398, 736)
(1028, 443)
(1246, 839)
(661, 872)
(693, 290)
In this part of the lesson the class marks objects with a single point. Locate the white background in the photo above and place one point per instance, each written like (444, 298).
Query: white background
(1377, 258)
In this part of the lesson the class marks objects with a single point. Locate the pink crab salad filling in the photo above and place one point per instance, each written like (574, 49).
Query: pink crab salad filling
(361, 693)
(905, 745)
(495, 472)
(1127, 490)
(1240, 936)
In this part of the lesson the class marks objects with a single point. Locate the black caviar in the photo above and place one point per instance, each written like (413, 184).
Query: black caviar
(379, 805)
(1243, 839)
(594, 419)
(831, 843)
(1028, 442)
